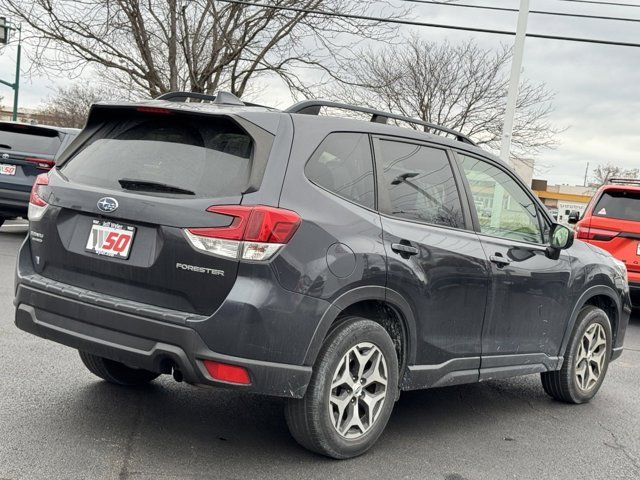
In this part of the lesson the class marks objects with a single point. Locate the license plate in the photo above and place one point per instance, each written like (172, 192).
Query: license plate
(638, 249)
(110, 239)
(7, 169)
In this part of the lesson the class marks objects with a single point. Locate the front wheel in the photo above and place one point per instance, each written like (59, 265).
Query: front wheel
(116, 372)
(351, 393)
(586, 360)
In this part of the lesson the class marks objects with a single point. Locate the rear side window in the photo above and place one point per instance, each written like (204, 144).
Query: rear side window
(420, 183)
(29, 139)
(208, 156)
(619, 204)
(343, 165)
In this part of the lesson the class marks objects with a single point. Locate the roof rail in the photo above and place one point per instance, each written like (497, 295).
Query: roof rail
(221, 98)
(312, 107)
(623, 181)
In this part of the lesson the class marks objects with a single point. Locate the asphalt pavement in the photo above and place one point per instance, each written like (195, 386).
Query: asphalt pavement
(57, 421)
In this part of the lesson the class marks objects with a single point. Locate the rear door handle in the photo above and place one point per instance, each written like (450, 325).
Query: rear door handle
(403, 249)
(500, 261)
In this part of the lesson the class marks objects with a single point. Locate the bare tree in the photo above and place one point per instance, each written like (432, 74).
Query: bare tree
(156, 46)
(69, 106)
(463, 87)
(603, 173)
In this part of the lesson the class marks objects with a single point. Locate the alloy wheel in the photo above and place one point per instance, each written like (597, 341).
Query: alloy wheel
(590, 359)
(358, 390)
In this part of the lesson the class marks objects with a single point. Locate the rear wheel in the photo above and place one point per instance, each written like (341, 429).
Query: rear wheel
(351, 393)
(116, 372)
(586, 361)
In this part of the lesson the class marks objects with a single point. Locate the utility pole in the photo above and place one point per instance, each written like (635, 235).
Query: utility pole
(516, 67)
(4, 38)
(586, 174)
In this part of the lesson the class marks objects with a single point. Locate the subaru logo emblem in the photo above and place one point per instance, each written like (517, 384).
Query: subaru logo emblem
(5, 156)
(107, 204)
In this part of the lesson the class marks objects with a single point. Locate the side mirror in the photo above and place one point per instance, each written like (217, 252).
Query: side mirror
(561, 239)
(573, 217)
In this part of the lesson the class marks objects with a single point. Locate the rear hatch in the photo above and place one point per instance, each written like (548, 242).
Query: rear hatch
(614, 225)
(121, 203)
(25, 151)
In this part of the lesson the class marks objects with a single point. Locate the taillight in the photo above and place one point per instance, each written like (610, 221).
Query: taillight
(256, 232)
(227, 373)
(37, 205)
(41, 163)
(597, 234)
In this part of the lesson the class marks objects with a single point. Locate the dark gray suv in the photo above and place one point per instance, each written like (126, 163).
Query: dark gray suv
(328, 260)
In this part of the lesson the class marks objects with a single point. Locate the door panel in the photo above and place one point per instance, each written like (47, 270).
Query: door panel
(445, 282)
(529, 298)
(433, 262)
(528, 303)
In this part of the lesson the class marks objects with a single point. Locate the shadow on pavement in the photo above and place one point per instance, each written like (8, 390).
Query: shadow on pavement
(171, 423)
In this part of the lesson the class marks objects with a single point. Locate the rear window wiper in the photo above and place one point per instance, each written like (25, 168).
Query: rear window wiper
(149, 186)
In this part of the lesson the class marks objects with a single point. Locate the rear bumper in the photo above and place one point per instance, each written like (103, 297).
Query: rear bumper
(137, 335)
(14, 203)
(148, 344)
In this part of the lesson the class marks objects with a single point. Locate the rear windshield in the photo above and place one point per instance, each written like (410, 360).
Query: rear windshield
(208, 156)
(620, 204)
(28, 139)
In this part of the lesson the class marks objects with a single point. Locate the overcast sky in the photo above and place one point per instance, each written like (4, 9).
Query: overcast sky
(597, 87)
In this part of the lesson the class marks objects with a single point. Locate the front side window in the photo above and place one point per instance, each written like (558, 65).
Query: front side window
(343, 165)
(420, 184)
(504, 208)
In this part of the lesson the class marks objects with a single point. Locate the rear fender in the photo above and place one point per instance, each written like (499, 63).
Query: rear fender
(360, 294)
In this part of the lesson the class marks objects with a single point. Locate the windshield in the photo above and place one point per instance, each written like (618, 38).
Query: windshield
(29, 139)
(210, 158)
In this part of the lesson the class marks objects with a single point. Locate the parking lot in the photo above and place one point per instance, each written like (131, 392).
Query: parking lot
(58, 421)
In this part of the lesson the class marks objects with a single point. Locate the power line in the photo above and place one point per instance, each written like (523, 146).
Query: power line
(603, 3)
(538, 12)
(432, 25)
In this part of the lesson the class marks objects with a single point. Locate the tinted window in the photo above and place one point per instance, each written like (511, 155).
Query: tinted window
(29, 139)
(211, 157)
(343, 165)
(504, 208)
(620, 204)
(420, 184)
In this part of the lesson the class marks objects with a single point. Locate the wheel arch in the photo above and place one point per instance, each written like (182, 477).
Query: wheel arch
(376, 303)
(600, 296)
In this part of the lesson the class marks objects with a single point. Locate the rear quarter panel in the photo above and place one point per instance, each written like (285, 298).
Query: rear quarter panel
(338, 246)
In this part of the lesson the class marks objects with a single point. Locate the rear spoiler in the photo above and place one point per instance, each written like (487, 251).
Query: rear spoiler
(624, 181)
(27, 128)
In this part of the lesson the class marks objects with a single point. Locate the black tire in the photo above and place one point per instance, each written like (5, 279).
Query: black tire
(563, 384)
(309, 419)
(116, 372)
(2, 219)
